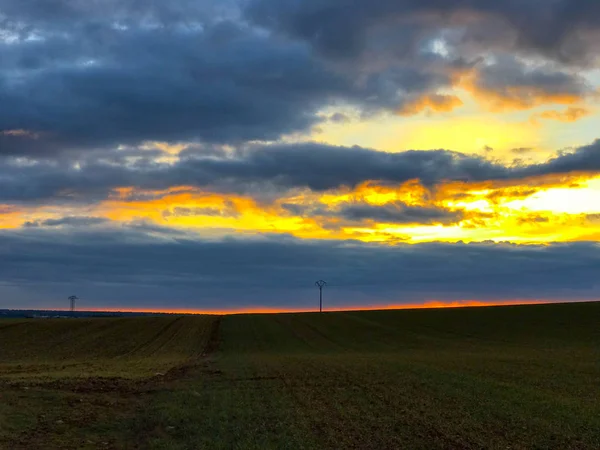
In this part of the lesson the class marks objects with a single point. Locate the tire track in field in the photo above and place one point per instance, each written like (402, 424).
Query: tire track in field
(88, 399)
(149, 342)
(82, 327)
(198, 363)
(211, 345)
(124, 385)
(214, 339)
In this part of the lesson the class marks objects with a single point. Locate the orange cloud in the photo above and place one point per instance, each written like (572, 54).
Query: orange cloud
(191, 208)
(433, 102)
(530, 210)
(571, 114)
(10, 217)
(509, 98)
(490, 211)
(517, 98)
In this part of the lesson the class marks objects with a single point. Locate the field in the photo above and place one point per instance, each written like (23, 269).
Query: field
(517, 377)
(77, 383)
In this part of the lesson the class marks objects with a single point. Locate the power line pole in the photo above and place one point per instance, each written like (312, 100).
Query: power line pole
(320, 284)
(72, 300)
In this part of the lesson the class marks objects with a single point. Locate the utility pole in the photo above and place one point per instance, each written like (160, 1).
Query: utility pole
(320, 284)
(72, 299)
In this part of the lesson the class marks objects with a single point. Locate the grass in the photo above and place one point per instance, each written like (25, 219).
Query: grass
(111, 347)
(77, 383)
(502, 377)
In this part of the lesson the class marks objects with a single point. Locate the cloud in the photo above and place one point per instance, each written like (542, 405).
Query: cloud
(398, 213)
(568, 115)
(584, 159)
(562, 30)
(522, 150)
(433, 103)
(509, 83)
(530, 219)
(268, 170)
(127, 101)
(136, 267)
(511, 55)
(228, 209)
(80, 76)
(69, 221)
(224, 83)
(339, 118)
(351, 213)
(20, 133)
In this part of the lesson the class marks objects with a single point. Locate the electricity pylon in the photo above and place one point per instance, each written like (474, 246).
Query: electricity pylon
(320, 284)
(72, 300)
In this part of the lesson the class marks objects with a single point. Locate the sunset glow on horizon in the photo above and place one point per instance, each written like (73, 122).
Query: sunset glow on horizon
(433, 304)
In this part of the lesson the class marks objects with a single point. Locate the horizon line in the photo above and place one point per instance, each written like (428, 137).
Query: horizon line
(264, 310)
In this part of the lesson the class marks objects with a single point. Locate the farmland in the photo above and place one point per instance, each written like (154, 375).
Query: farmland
(498, 377)
(74, 383)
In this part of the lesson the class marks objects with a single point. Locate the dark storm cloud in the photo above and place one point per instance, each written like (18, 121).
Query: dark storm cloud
(338, 27)
(224, 83)
(134, 267)
(59, 13)
(452, 38)
(81, 75)
(267, 170)
(584, 159)
(513, 81)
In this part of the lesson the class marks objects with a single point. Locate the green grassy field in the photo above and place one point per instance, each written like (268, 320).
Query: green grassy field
(77, 383)
(113, 347)
(502, 377)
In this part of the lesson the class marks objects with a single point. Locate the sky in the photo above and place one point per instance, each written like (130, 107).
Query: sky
(223, 155)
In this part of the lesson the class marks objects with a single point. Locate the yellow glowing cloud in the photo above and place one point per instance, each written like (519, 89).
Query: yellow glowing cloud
(541, 209)
(191, 208)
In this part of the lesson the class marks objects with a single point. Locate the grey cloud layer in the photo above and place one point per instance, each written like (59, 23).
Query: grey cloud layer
(225, 83)
(79, 78)
(342, 27)
(69, 221)
(496, 38)
(511, 80)
(82, 75)
(267, 170)
(400, 213)
(395, 212)
(138, 267)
